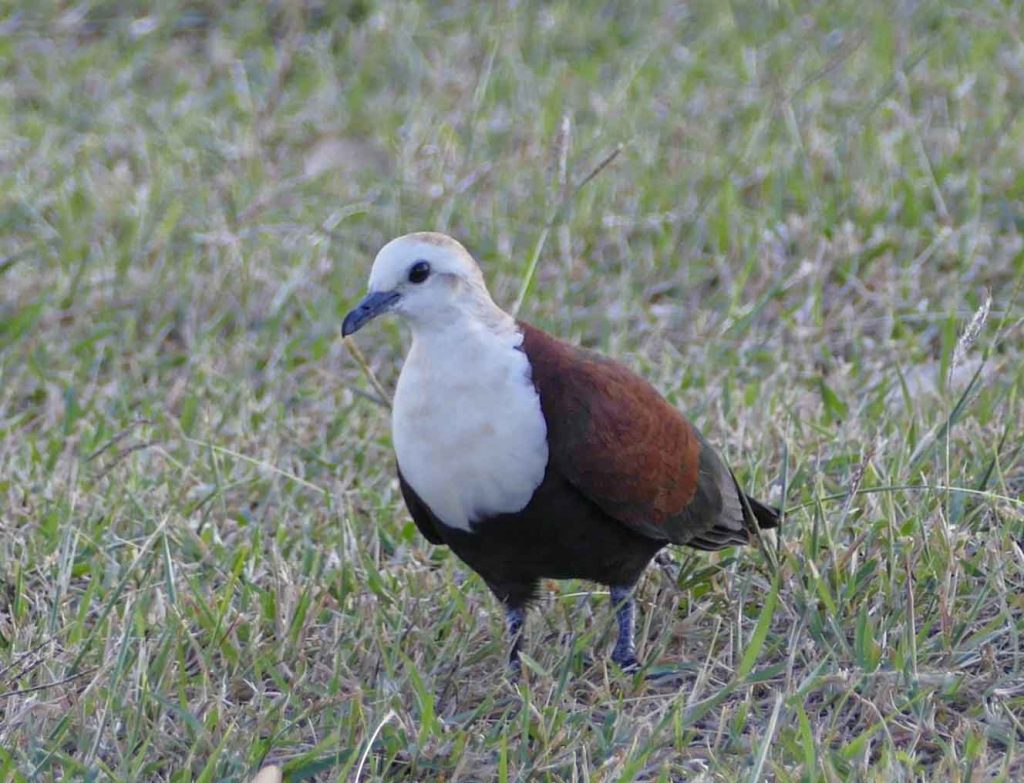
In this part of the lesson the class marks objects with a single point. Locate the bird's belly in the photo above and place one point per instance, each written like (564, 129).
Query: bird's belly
(558, 535)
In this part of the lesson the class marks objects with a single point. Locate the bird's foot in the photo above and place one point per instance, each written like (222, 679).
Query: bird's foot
(665, 676)
(624, 653)
(658, 676)
(515, 618)
(626, 660)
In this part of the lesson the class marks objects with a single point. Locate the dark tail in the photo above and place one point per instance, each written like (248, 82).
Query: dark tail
(766, 516)
(738, 531)
(720, 536)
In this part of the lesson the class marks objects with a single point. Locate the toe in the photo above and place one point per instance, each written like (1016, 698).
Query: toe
(628, 663)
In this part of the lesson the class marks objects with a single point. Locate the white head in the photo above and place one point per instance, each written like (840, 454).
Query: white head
(429, 279)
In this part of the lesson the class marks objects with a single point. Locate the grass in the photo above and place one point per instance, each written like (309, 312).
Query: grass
(204, 561)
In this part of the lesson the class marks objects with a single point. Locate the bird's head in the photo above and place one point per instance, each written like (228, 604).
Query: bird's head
(429, 279)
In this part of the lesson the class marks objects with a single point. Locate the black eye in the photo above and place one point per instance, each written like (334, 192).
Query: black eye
(419, 272)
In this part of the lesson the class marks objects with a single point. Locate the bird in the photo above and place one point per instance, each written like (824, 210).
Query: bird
(532, 458)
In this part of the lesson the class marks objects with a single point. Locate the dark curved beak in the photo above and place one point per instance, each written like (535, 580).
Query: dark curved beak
(372, 305)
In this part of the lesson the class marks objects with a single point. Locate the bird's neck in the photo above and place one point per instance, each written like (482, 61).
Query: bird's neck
(466, 328)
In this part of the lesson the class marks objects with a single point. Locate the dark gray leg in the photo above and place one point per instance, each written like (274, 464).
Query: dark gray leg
(514, 620)
(624, 653)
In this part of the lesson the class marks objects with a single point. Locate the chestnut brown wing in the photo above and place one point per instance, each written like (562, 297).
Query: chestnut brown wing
(619, 443)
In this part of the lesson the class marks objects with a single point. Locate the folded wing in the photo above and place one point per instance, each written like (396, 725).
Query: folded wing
(619, 443)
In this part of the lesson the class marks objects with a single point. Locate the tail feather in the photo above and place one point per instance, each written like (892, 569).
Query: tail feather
(766, 516)
(738, 531)
(719, 537)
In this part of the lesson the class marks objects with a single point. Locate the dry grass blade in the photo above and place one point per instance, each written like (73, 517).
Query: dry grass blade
(971, 332)
(557, 214)
(262, 464)
(47, 685)
(271, 774)
(390, 716)
(356, 354)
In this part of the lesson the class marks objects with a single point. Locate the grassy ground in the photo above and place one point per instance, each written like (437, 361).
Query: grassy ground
(204, 561)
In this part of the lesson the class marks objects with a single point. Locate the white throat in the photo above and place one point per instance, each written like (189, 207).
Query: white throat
(468, 429)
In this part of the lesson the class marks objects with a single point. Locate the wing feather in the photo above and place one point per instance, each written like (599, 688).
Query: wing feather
(617, 441)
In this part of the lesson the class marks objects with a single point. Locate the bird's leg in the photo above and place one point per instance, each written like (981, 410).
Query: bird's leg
(515, 617)
(624, 653)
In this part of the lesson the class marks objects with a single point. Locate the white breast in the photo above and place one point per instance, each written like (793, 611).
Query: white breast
(467, 425)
